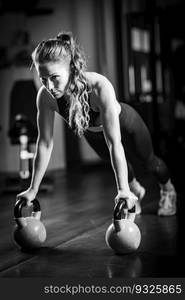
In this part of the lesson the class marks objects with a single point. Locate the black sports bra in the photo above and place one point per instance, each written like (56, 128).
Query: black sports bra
(64, 112)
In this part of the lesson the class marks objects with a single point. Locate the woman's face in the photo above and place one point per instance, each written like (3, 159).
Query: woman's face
(55, 76)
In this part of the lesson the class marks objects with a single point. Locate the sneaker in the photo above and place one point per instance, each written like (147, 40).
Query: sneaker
(167, 203)
(139, 191)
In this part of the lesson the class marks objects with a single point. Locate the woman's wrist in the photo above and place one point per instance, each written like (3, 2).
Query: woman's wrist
(124, 193)
(33, 190)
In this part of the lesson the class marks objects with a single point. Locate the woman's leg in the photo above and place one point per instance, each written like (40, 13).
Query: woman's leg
(137, 137)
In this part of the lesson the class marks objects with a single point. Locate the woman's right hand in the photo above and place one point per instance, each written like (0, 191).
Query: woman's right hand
(29, 195)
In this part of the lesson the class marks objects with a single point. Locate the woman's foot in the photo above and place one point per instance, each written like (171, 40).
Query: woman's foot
(167, 202)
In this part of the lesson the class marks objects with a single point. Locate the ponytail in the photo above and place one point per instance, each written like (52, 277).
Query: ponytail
(65, 47)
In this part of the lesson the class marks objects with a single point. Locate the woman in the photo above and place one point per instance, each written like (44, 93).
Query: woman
(87, 102)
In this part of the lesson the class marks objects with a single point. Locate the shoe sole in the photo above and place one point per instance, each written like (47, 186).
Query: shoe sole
(167, 214)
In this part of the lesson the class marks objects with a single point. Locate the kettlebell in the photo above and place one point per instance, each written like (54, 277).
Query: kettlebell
(123, 235)
(29, 232)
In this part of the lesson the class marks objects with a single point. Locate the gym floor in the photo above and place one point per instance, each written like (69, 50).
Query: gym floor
(76, 213)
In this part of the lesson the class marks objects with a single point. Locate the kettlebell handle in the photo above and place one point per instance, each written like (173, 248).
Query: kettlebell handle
(118, 209)
(21, 203)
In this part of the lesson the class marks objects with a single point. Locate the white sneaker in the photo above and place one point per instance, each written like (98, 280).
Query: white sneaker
(167, 203)
(139, 191)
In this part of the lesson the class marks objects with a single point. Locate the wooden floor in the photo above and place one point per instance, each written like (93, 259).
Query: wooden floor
(76, 214)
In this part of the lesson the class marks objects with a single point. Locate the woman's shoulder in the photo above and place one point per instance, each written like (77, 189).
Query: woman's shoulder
(97, 80)
(42, 92)
(44, 98)
(95, 77)
(103, 90)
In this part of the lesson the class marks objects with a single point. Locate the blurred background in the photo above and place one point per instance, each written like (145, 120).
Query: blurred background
(138, 44)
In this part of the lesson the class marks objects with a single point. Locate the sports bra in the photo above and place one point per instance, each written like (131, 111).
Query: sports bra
(64, 112)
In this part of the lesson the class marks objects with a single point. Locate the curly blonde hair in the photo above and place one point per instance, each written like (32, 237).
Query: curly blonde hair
(65, 47)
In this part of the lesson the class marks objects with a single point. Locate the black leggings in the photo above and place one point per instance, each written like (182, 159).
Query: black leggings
(136, 141)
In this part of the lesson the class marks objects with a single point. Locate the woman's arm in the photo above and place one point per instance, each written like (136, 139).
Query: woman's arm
(44, 145)
(110, 110)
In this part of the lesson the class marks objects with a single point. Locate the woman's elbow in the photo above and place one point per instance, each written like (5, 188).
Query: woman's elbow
(113, 142)
(45, 143)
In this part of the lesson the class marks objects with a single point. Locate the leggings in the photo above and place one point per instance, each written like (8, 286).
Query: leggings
(136, 141)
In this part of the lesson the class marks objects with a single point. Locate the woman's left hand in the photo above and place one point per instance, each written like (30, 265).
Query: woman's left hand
(130, 199)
